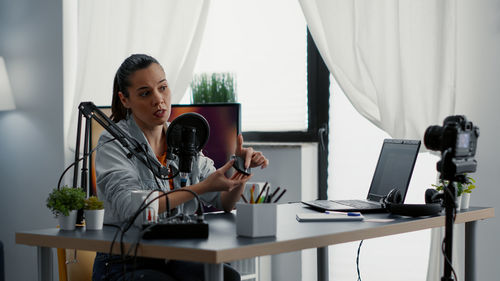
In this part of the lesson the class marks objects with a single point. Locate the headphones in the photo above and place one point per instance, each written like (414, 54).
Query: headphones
(393, 203)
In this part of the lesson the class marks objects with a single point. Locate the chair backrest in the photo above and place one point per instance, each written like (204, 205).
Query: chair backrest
(75, 265)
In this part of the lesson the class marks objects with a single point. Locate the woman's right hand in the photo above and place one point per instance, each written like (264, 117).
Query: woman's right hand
(218, 181)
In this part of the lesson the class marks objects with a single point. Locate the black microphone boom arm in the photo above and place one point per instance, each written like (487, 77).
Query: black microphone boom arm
(89, 110)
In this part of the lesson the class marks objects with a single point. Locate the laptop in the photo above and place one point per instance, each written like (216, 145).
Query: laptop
(394, 169)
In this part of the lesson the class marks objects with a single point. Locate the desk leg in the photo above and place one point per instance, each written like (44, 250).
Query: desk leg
(470, 251)
(44, 256)
(322, 263)
(214, 272)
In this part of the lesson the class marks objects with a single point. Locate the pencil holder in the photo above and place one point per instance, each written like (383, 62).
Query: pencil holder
(248, 187)
(256, 220)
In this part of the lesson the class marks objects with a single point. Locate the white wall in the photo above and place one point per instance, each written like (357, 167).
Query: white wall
(31, 137)
(479, 99)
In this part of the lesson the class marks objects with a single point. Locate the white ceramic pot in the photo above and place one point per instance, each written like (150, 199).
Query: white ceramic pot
(465, 201)
(94, 219)
(458, 202)
(67, 222)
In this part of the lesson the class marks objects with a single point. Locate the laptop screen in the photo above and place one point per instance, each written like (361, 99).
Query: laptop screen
(394, 168)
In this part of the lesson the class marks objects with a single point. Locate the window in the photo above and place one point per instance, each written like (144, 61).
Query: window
(282, 81)
(264, 44)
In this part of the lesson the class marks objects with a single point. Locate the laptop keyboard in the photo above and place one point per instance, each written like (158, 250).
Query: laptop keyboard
(344, 205)
(358, 204)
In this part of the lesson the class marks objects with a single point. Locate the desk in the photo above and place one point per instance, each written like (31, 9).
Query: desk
(223, 245)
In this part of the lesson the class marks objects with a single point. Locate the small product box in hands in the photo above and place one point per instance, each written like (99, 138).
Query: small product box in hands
(256, 220)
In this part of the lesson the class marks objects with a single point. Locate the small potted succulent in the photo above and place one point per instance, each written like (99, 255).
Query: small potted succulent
(94, 213)
(64, 203)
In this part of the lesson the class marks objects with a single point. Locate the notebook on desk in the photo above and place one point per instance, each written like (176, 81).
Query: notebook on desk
(394, 169)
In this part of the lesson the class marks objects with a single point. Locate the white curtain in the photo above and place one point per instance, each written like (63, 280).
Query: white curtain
(396, 63)
(395, 60)
(108, 31)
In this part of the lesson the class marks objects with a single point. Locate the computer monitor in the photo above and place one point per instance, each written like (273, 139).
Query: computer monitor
(224, 121)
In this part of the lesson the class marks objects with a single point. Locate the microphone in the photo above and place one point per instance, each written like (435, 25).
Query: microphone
(186, 137)
(187, 151)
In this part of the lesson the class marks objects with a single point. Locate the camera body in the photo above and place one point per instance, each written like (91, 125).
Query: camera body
(458, 138)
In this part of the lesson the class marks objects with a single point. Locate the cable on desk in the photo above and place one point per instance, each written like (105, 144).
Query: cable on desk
(150, 166)
(357, 260)
(108, 267)
(126, 225)
(136, 247)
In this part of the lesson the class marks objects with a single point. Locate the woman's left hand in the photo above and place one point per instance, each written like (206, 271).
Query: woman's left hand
(252, 158)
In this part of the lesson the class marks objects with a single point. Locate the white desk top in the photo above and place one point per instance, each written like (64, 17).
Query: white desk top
(224, 245)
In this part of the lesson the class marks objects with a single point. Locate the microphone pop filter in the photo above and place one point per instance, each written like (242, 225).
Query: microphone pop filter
(188, 120)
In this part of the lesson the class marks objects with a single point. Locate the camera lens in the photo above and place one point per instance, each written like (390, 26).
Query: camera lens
(433, 136)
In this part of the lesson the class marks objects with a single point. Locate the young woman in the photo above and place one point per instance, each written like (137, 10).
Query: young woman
(141, 107)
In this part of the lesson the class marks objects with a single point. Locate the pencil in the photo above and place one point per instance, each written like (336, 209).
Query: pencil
(272, 195)
(251, 194)
(283, 192)
(266, 197)
(244, 199)
(260, 194)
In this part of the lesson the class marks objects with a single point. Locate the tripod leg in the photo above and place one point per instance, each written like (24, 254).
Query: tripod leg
(470, 251)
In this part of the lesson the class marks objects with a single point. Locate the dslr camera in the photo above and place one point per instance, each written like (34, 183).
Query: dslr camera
(457, 141)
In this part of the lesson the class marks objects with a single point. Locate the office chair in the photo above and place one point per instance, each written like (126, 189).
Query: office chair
(75, 265)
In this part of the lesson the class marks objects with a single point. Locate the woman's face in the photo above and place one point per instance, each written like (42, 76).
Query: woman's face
(149, 97)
